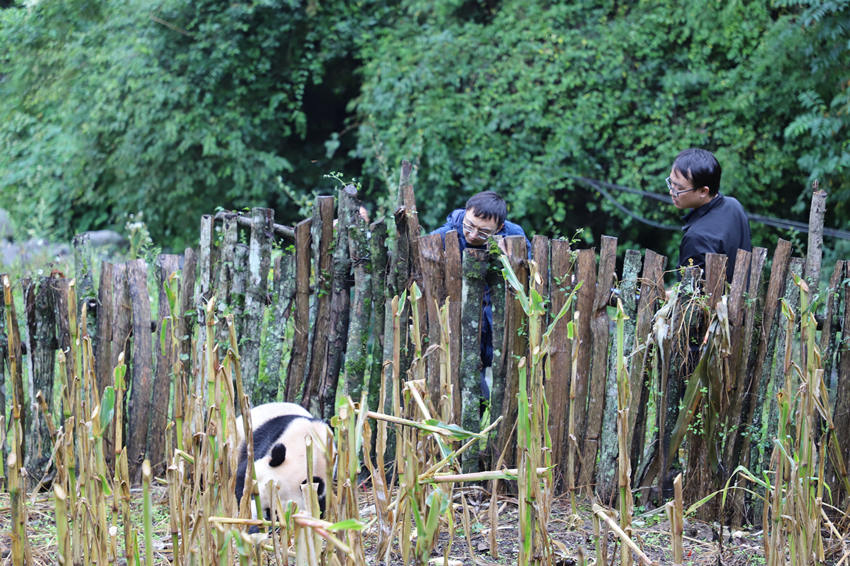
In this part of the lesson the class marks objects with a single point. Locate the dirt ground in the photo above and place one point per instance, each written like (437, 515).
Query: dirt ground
(572, 536)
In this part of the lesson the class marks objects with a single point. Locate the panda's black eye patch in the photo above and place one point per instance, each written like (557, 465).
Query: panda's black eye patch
(277, 455)
(320, 485)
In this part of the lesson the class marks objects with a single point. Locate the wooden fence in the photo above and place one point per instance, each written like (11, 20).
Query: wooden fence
(316, 312)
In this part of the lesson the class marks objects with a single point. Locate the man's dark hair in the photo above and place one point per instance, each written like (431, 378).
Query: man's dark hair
(489, 206)
(700, 167)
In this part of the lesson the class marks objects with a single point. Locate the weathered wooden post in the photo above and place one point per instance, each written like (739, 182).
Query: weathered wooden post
(474, 271)
(814, 251)
(299, 358)
(599, 330)
(141, 398)
(651, 291)
(762, 356)
(282, 300)
(496, 285)
(322, 234)
(228, 271)
(207, 259)
(586, 275)
(356, 350)
(704, 442)
(454, 294)
(606, 476)
(166, 266)
(259, 388)
(842, 393)
(516, 347)
(378, 254)
(433, 280)
(41, 326)
(14, 359)
(560, 352)
(4, 353)
(348, 216)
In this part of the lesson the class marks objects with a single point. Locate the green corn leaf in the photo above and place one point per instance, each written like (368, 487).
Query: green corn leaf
(107, 407)
(347, 525)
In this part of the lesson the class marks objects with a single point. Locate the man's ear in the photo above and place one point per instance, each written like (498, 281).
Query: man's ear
(499, 229)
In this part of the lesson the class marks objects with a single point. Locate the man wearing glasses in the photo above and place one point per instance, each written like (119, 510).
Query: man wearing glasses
(716, 223)
(485, 215)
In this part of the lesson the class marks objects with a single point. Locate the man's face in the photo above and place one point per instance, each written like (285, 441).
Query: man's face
(684, 194)
(476, 230)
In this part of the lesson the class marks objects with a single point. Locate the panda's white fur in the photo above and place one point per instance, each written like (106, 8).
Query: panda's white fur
(280, 454)
(262, 413)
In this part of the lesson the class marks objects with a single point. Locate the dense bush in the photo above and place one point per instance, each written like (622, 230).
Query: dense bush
(176, 107)
(520, 97)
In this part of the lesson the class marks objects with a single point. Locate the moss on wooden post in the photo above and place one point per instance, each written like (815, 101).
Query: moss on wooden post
(475, 263)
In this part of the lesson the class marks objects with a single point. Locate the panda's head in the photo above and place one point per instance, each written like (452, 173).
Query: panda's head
(280, 459)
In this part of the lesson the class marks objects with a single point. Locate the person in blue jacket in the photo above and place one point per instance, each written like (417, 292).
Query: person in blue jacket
(485, 215)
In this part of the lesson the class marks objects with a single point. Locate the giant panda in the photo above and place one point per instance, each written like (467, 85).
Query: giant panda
(280, 455)
(262, 413)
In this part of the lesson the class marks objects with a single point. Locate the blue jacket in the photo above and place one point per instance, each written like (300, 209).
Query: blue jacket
(454, 221)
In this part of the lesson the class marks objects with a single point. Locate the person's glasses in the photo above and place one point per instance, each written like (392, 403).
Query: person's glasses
(483, 232)
(676, 192)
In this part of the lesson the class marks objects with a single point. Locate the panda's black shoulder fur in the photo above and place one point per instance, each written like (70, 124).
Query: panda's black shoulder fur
(268, 434)
(265, 437)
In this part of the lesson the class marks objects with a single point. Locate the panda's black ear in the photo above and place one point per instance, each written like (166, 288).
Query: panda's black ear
(277, 455)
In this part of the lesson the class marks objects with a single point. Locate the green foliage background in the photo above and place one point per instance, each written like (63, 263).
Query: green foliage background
(175, 107)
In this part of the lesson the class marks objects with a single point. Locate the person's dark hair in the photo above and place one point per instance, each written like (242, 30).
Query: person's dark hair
(700, 167)
(489, 206)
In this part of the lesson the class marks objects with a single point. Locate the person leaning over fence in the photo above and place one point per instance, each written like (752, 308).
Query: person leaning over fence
(485, 215)
(716, 223)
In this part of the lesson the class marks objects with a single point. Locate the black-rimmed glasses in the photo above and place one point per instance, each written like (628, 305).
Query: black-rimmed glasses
(483, 232)
(676, 192)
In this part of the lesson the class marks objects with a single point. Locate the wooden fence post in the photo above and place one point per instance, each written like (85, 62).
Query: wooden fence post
(348, 216)
(433, 279)
(454, 293)
(282, 301)
(586, 275)
(4, 352)
(606, 475)
(225, 296)
(814, 250)
(842, 394)
(475, 264)
(767, 337)
(207, 259)
(141, 397)
(378, 252)
(322, 233)
(299, 359)
(600, 333)
(15, 361)
(516, 347)
(702, 473)
(260, 388)
(651, 291)
(41, 331)
(186, 318)
(166, 265)
(356, 350)
(498, 369)
(105, 314)
(560, 352)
